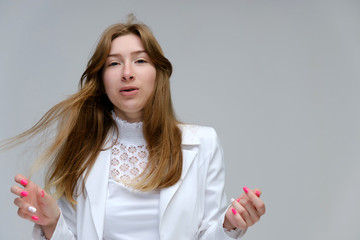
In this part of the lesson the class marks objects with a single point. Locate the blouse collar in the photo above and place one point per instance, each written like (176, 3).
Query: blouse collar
(129, 131)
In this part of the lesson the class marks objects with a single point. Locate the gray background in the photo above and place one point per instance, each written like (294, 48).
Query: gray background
(278, 80)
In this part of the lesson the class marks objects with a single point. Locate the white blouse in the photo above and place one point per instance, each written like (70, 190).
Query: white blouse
(129, 214)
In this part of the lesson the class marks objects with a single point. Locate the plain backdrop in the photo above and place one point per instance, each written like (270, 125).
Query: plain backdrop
(278, 80)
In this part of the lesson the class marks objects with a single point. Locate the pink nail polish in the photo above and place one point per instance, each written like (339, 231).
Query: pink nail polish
(24, 182)
(233, 211)
(42, 193)
(24, 193)
(238, 200)
(257, 193)
(35, 218)
(246, 190)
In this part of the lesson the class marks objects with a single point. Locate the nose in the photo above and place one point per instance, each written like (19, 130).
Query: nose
(128, 73)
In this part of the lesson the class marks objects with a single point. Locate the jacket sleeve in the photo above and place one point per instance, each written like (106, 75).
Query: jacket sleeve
(66, 225)
(215, 199)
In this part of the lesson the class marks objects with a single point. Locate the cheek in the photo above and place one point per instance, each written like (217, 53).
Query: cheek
(106, 87)
(107, 82)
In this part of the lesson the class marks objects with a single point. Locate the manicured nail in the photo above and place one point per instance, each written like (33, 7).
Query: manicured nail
(42, 193)
(24, 182)
(35, 218)
(238, 200)
(246, 190)
(257, 193)
(234, 211)
(32, 209)
(24, 193)
(231, 200)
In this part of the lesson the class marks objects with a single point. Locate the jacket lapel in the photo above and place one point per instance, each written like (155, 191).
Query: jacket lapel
(189, 152)
(97, 185)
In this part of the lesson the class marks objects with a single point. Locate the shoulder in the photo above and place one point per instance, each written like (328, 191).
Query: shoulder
(203, 140)
(197, 129)
(197, 134)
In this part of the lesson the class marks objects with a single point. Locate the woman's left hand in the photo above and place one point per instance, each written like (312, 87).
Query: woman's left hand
(245, 211)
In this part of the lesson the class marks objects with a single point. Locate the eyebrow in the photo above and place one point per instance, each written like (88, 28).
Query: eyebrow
(132, 53)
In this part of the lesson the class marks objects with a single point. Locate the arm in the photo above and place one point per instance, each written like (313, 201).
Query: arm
(241, 214)
(215, 200)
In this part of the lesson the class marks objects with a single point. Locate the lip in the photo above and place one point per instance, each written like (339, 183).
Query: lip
(129, 90)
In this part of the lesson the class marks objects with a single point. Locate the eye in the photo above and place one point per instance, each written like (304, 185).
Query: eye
(141, 61)
(113, 64)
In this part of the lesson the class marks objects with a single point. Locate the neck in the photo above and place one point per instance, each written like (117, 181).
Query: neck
(129, 117)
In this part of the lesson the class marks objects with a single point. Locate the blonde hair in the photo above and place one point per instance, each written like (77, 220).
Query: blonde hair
(84, 122)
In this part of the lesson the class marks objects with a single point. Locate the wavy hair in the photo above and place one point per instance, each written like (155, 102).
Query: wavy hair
(84, 123)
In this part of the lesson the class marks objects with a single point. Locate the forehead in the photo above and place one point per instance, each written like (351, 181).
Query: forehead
(126, 44)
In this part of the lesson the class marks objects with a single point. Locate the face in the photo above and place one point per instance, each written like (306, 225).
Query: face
(129, 77)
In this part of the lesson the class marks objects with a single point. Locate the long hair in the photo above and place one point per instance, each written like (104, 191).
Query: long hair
(84, 123)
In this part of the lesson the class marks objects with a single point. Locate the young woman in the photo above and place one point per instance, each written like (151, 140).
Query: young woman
(121, 165)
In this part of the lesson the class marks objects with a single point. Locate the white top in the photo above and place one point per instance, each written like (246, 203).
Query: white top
(193, 208)
(129, 214)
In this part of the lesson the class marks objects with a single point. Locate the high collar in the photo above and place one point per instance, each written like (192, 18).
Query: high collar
(129, 132)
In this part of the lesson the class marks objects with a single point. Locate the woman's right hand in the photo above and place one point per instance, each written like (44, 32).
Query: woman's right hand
(36, 205)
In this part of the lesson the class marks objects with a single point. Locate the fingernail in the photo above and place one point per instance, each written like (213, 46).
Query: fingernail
(234, 211)
(246, 190)
(24, 193)
(35, 218)
(238, 200)
(32, 209)
(24, 182)
(42, 193)
(257, 193)
(231, 200)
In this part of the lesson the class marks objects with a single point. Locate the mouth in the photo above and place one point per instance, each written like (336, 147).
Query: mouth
(128, 89)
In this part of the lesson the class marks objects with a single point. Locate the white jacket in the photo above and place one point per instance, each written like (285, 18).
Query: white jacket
(191, 209)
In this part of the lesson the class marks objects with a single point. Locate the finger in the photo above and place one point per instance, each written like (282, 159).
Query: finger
(43, 197)
(256, 201)
(19, 202)
(23, 214)
(21, 179)
(242, 196)
(26, 207)
(243, 212)
(18, 191)
(253, 214)
(236, 219)
(27, 216)
(42, 193)
(257, 192)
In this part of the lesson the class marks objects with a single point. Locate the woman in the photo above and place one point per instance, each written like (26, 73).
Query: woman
(122, 166)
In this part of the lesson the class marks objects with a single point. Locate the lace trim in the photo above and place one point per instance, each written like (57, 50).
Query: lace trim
(126, 124)
(127, 161)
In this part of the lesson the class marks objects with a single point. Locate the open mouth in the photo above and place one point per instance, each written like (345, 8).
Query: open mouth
(128, 89)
